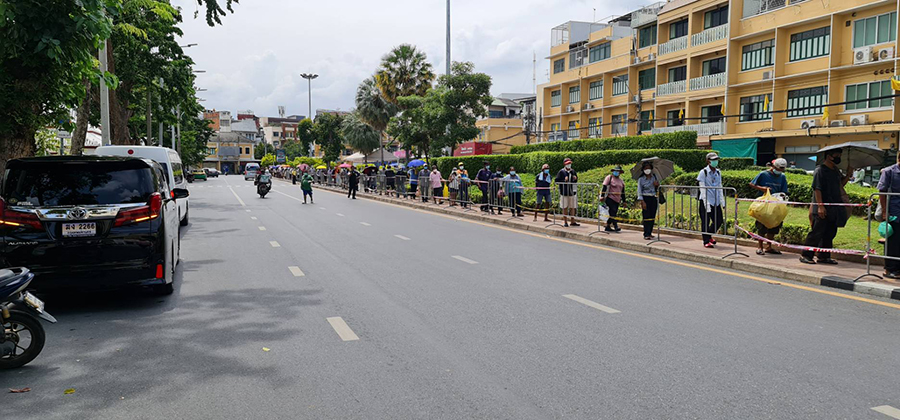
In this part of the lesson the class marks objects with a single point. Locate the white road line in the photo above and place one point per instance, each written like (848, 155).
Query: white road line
(888, 411)
(275, 244)
(248, 210)
(364, 224)
(253, 218)
(342, 329)
(340, 214)
(401, 237)
(464, 259)
(289, 196)
(296, 271)
(322, 208)
(592, 304)
(262, 228)
(236, 196)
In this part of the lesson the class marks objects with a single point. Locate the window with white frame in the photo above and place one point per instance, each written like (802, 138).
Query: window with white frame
(594, 127)
(753, 108)
(574, 94)
(758, 55)
(859, 95)
(810, 44)
(556, 98)
(875, 30)
(596, 91)
(573, 130)
(809, 101)
(619, 124)
(620, 85)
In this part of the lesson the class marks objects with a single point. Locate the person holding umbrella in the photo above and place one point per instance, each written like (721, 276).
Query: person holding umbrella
(413, 180)
(712, 198)
(828, 184)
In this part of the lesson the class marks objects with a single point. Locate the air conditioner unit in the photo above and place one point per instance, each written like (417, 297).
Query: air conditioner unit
(861, 119)
(767, 75)
(588, 106)
(838, 123)
(637, 60)
(807, 124)
(570, 108)
(886, 54)
(651, 57)
(862, 55)
(637, 98)
(654, 95)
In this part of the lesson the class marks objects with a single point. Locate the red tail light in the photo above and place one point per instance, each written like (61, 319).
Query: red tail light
(142, 213)
(18, 219)
(159, 271)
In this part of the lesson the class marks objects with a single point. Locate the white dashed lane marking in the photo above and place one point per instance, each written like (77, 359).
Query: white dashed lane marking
(401, 237)
(274, 244)
(296, 271)
(342, 329)
(340, 214)
(465, 260)
(592, 304)
(262, 228)
(364, 224)
(252, 217)
(888, 411)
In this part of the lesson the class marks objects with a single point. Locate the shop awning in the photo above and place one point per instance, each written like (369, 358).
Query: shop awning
(738, 148)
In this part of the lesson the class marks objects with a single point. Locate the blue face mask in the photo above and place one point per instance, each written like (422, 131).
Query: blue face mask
(547, 171)
(777, 172)
(616, 173)
(714, 163)
(512, 172)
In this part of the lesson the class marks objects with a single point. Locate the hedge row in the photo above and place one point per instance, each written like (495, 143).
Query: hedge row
(690, 160)
(684, 140)
(735, 164)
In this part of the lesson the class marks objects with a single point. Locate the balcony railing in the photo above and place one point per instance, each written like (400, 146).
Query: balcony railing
(676, 44)
(758, 7)
(710, 35)
(672, 88)
(706, 129)
(645, 15)
(708, 82)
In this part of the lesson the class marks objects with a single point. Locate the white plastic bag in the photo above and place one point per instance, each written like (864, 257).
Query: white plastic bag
(603, 213)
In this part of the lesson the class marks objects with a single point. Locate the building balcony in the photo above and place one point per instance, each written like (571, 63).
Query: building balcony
(710, 35)
(708, 81)
(676, 44)
(672, 88)
(705, 129)
(645, 15)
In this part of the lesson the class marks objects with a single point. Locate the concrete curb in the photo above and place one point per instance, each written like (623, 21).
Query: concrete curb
(802, 276)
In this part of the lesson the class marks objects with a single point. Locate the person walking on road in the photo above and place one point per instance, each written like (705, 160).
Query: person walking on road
(453, 186)
(773, 181)
(512, 184)
(353, 183)
(890, 205)
(611, 195)
(827, 188)
(542, 183)
(306, 186)
(647, 187)
(566, 178)
(483, 178)
(437, 185)
(424, 183)
(712, 198)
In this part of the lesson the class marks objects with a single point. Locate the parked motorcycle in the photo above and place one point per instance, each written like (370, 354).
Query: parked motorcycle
(23, 335)
(264, 185)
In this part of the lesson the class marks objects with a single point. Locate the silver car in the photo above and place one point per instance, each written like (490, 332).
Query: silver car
(250, 172)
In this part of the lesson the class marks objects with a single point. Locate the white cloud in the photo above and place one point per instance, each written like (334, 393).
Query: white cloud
(254, 60)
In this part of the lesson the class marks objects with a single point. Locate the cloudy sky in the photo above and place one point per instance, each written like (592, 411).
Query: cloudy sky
(254, 60)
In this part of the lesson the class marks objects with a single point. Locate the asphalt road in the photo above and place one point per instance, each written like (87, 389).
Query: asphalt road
(374, 311)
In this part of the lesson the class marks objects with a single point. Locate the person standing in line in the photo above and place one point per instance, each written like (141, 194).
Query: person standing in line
(353, 183)
(827, 187)
(483, 177)
(712, 198)
(611, 195)
(542, 183)
(413, 182)
(437, 185)
(389, 177)
(512, 184)
(568, 202)
(425, 183)
(496, 193)
(890, 205)
(453, 186)
(647, 187)
(462, 170)
(306, 186)
(773, 181)
(464, 184)
(293, 176)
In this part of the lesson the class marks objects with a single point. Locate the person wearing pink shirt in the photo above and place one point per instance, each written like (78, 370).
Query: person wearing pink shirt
(437, 187)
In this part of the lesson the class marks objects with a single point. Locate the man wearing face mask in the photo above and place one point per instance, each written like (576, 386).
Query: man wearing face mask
(827, 185)
(483, 177)
(712, 198)
(542, 182)
(773, 181)
(565, 178)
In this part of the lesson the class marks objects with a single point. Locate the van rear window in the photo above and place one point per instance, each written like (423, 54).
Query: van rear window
(78, 183)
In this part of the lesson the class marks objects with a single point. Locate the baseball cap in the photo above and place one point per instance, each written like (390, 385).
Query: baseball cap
(567, 160)
(712, 156)
(779, 163)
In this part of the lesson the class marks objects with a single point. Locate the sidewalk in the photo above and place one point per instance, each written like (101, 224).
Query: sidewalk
(785, 266)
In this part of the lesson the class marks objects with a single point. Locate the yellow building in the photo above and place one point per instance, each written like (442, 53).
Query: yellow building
(504, 126)
(229, 152)
(790, 76)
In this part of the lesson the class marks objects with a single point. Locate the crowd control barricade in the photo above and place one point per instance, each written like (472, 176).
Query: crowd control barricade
(424, 189)
(344, 181)
(580, 199)
(886, 216)
(681, 212)
(497, 197)
(463, 196)
(400, 185)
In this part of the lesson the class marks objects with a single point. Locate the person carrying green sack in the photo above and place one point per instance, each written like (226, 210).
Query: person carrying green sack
(891, 206)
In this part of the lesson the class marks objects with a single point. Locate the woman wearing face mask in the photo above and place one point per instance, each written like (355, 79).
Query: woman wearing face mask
(613, 187)
(542, 182)
(647, 186)
(774, 181)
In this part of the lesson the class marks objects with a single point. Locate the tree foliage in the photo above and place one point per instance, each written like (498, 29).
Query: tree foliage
(267, 160)
(405, 71)
(328, 133)
(360, 136)
(263, 149)
(305, 135)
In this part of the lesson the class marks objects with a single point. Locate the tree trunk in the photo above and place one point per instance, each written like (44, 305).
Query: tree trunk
(118, 110)
(149, 119)
(16, 144)
(81, 122)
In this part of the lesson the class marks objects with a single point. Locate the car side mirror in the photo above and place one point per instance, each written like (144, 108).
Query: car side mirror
(180, 193)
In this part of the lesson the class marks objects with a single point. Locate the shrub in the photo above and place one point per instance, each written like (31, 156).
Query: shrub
(733, 164)
(685, 140)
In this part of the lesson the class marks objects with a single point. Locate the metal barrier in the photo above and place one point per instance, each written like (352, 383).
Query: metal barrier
(895, 227)
(574, 201)
(688, 217)
(400, 185)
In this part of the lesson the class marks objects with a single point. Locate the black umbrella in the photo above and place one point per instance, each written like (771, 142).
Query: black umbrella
(857, 155)
(661, 167)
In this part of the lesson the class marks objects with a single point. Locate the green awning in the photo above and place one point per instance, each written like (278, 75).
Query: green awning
(739, 148)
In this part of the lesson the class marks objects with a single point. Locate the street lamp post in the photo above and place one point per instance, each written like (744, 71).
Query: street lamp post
(309, 78)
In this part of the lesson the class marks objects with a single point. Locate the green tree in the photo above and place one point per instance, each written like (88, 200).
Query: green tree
(405, 71)
(410, 126)
(458, 101)
(360, 136)
(328, 132)
(305, 135)
(374, 109)
(45, 56)
(263, 149)
(267, 160)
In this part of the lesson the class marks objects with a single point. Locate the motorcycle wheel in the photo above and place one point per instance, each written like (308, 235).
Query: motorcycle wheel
(27, 333)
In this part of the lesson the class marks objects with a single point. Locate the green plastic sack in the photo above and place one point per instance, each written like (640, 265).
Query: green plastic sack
(885, 229)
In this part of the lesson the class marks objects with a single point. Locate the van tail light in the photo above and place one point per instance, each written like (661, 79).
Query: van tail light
(142, 213)
(159, 271)
(9, 217)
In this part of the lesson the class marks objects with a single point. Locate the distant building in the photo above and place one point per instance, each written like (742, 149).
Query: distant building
(276, 130)
(503, 127)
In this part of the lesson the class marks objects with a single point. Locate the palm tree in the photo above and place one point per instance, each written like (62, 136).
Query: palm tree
(405, 71)
(360, 136)
(374, 109)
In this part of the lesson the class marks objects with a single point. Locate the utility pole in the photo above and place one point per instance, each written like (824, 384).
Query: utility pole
(104, 99)
(149, 116)
(448, 37)
(178, 128)
(309, 78)
(162, 142)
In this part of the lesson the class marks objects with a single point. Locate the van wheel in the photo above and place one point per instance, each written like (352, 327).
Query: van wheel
(187, 212)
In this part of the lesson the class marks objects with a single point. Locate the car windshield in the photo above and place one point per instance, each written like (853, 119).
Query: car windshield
(78, 183)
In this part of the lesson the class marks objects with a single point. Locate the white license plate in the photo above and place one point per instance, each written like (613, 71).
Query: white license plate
(34, 302)
(76, 230)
